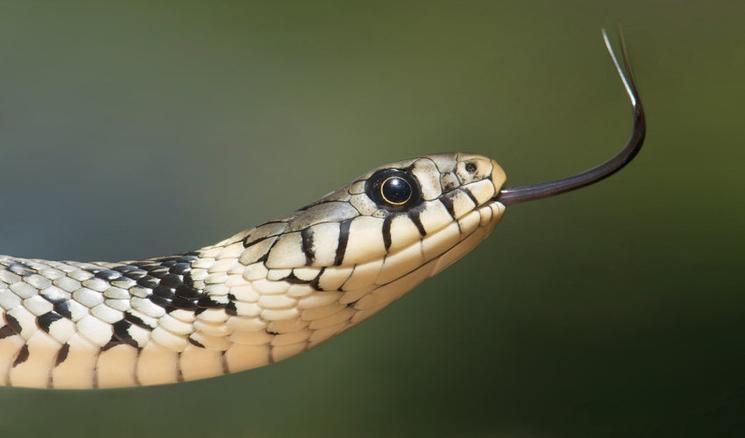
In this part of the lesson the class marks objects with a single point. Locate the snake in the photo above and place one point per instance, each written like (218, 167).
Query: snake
(266, 293)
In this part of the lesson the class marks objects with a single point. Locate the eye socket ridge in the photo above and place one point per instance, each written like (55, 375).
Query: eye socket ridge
(393, 189)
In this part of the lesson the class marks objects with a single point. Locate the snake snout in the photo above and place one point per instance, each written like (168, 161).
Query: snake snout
(480, 176)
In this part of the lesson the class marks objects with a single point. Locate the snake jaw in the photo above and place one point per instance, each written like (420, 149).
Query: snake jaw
(372, 255)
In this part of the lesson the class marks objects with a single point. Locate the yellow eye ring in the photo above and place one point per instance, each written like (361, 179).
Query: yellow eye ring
(396, 191)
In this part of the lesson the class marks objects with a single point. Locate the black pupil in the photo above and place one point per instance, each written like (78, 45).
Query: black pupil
(396, 190)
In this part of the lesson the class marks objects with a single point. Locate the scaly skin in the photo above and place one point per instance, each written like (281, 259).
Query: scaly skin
(267, 293)
(255, 298)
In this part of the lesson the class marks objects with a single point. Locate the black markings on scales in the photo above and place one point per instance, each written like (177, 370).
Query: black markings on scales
(471, 196)
(45, 320)
(343, 240)
(247, 242)
(6, 331)
(22, 356)
(195, 343)
(414, 216)
(21, 269)
(169, 279)
(306, 236)
(448, 204)
(108, 275)
(231, 308)
(62, 308)
(134, 319)
(316, 282)
(62, 354)
(121, 335)
(13, 325)
(387, 231)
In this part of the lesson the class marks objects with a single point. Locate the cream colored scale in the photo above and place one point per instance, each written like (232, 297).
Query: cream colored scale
(267, 293)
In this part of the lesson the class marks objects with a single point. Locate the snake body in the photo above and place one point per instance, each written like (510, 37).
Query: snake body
(269, 292)
(255, 298)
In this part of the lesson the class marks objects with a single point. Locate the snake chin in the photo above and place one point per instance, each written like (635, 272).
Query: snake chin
(437, 252)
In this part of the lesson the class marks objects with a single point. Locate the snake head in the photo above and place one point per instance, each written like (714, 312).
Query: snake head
(384, 233)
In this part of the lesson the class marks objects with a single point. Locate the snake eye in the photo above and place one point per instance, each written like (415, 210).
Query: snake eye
(393, 189)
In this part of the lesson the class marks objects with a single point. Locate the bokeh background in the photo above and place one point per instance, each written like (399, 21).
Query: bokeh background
(133, 129)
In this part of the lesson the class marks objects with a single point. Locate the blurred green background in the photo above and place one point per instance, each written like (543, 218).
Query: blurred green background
(132, 129)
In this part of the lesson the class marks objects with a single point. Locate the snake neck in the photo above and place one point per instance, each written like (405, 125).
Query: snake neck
(278, 311)
(217, 310)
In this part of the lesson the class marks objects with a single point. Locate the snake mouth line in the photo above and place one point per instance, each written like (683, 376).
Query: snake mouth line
(481, 216)
(471, 230)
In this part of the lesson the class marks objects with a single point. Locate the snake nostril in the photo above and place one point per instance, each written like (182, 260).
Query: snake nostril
(471, 167)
